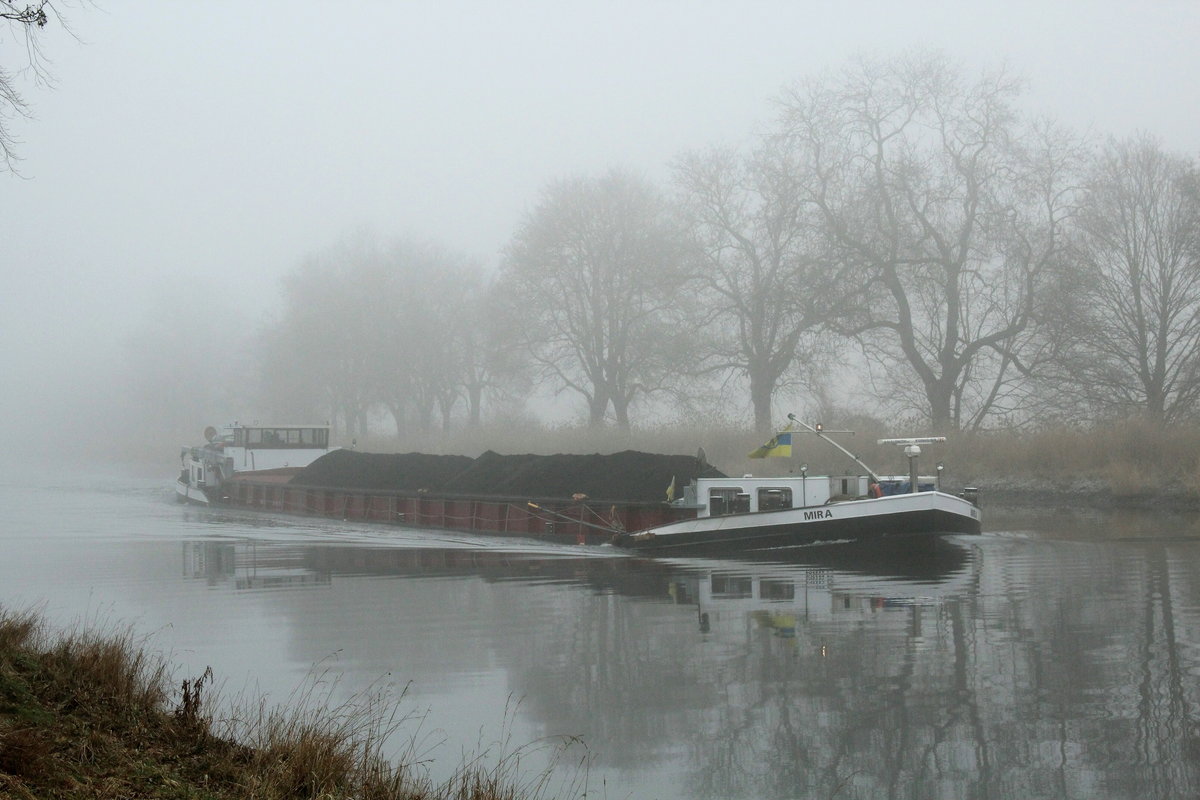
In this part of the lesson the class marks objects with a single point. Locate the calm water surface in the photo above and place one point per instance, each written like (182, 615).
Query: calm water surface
(1055, 656)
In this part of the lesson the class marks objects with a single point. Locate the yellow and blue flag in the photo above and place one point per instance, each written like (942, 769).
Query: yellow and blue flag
(779, 446)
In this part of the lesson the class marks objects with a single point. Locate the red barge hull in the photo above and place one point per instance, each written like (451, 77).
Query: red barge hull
(554, 520)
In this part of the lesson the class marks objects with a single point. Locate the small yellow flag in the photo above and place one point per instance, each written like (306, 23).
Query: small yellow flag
(671, 490)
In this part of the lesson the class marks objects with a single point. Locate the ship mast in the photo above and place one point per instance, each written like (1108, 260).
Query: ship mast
(820, 433)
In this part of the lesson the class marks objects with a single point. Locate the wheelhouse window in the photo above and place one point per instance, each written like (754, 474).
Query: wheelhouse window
(772, 499)
(283, 437)
(727, 501)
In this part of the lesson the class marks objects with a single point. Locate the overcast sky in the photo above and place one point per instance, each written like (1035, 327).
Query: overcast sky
(191, 153)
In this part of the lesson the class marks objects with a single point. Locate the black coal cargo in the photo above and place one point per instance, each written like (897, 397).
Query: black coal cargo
(628, 476)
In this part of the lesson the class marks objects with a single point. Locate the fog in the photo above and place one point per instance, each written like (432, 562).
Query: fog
(188, 156)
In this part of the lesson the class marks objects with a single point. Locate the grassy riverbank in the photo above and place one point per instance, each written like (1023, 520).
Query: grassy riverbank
(1128, 465)
(87, 715)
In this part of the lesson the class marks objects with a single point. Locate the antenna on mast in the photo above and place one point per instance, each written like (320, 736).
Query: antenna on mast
(912, 449)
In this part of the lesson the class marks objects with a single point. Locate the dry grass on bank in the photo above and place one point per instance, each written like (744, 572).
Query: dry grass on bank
(1125, 459)
(91, 715)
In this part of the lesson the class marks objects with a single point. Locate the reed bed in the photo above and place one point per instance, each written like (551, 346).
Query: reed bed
(93, 714)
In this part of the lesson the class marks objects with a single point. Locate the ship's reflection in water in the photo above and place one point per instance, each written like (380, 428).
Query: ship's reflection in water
(979, 666)
(242, 565)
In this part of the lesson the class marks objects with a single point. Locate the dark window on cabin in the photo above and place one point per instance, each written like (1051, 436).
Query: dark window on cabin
(732, 586)
(284, 437)
(773, 499)
(777, 590)
(727, 501)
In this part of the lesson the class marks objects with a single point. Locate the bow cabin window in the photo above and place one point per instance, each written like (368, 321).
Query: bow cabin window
(732, 586)
(728, 501)
(776, 590)
(773, 499)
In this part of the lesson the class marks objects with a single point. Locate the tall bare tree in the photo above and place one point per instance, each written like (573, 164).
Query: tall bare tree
(951, 208)
(1131, 310)
(447, 350)
(371, 326)
(322, 356)
(594, 269)
(417, 358)
(763, 283)
(491, 366)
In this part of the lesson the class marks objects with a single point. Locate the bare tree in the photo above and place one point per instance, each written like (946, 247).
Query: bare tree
(593, 270)
(951, 209)
(370, 327)
(326, 344)
(417, 365)
(26, 21)
(1131, 310)
(491, 365)
(763, 284)
(444, 352)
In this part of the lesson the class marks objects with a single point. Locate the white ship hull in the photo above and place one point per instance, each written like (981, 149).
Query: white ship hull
(854, 520)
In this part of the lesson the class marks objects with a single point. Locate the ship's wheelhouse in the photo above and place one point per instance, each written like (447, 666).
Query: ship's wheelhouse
(715, 497)
(281, 437)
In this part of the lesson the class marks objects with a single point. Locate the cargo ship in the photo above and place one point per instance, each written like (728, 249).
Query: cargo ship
(637, 501)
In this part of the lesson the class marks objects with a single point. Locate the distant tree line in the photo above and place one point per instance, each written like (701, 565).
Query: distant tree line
(407, 329)
(983, 268)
